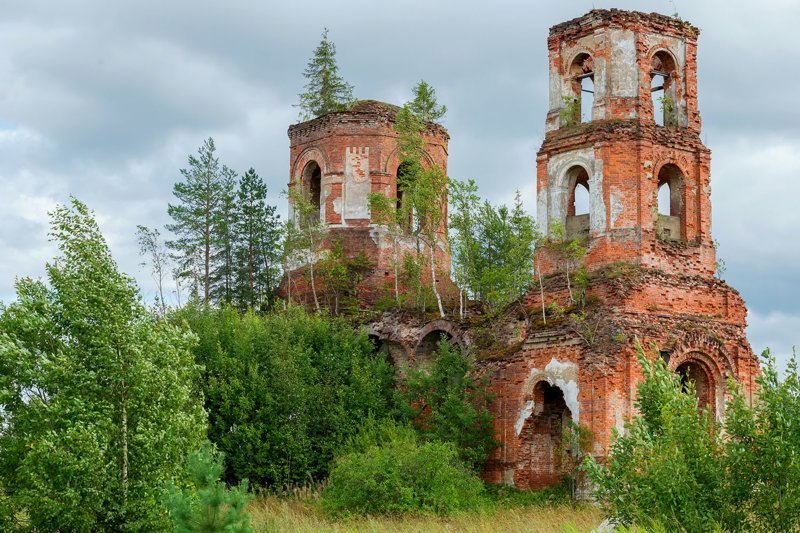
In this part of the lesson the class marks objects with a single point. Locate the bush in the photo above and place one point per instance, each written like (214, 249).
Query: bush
(400, 475)
(283, 391)
(675, 469)
(666, 468)
(448, 404)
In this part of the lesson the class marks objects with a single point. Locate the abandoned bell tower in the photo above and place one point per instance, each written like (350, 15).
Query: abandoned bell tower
(623, 131)
(623, 171)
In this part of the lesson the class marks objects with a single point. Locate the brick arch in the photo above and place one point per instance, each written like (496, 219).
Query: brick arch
(701, 343)
(395, 161)
(710, 354)
(448, 327)
(567, 65)
(653, 50)
(540, 436)
(312, 153)
(669, 159)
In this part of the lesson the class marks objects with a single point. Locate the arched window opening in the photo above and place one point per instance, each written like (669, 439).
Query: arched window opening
(542, 434)
(582, 78)
(662, 89)
(427, 348)
(578, 223)
(696, 373)
(670, 203)
(312, 188)
(664, 194)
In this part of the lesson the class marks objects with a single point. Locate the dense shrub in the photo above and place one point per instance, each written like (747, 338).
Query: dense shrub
(675, 468)
(283, 391)
(447, 403)
(399, 474)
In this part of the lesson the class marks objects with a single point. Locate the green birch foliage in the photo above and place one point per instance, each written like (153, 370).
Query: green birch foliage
(96, 399)
(283, 391)
(208, 505)
(448, 403)
(325, 90)
(465, 246)
(666, 470)
(492, 247)
(196, 219)
(258, 234)
(763, 451)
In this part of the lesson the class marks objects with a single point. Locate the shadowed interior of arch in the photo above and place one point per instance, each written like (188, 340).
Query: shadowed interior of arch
(696, 373)
(427, 347)
(312, 186)
(543, 432)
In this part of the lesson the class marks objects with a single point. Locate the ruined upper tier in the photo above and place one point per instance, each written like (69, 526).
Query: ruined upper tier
(623, 130)
(620, 51)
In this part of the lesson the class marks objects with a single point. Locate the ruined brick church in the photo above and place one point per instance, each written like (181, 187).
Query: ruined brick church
(623, 130)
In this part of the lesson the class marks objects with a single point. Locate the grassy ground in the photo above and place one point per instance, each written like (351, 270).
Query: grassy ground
(271, 513)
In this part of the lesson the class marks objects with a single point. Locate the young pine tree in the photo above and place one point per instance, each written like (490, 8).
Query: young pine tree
(209, 505)
(424, 104)
(325, 90)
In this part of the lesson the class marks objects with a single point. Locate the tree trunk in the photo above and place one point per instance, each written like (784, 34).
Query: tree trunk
(433, 278)
(541, 294)
(311, 269)
(396, 273)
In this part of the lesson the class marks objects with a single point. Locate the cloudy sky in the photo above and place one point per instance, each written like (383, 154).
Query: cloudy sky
(105, 100)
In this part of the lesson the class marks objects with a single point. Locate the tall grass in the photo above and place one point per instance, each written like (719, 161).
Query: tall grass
(302, 513)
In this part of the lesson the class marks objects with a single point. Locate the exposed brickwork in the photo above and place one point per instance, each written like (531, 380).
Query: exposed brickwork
(650, 274)
(356, 151)
(643, 283)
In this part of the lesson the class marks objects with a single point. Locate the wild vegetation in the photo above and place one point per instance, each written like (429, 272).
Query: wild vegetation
(232, 412)
(676, 468)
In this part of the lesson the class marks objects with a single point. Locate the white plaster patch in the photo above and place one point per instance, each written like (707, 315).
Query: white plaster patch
(562, 375)
(624, 70)
(357, 184)
(597, 205)
(523, 416)
(617, 207)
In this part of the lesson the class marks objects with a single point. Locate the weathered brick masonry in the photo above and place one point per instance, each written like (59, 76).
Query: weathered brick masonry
(650, 269)
(338, 159)
(651, 272)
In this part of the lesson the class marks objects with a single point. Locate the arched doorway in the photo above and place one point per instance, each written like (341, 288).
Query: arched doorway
(540, 438)
(425, 353)
(700, 376)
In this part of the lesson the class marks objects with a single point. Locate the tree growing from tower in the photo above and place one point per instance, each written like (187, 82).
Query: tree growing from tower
(325, 90)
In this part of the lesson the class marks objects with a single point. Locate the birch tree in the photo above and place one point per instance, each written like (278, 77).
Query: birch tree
(97, 402)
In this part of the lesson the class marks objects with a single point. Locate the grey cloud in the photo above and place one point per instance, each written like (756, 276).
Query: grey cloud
(105, 100)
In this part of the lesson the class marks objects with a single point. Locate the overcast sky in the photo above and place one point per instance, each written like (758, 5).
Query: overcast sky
(105, 100)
